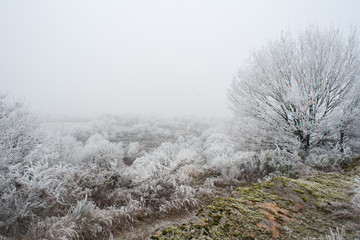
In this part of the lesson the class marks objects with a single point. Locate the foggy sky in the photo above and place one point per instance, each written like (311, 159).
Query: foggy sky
(166, 57)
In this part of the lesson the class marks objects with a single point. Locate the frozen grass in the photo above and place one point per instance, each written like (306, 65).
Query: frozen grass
(75, 184)
(336, 235)
(356, 198)
(83, 221)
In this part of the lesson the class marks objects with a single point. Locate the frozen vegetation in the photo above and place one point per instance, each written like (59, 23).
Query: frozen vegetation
(92, 181)
(295, 123)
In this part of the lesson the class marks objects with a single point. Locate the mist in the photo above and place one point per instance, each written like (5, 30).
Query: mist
(169, 119)
(169, 58)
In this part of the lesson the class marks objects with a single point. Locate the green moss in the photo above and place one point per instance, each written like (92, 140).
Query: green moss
(273, 197)
(256, 193)
(298, 191)
(224, 218)
(283, 180)
(268, 184)
(305, 199)
(326, 187)
(252, 194)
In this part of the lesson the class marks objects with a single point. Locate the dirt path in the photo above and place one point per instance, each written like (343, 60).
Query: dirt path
(144, 230)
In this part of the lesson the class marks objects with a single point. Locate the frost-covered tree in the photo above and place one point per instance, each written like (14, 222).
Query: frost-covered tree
(18, 131)
(298, 92)
(30, 187)
(347, 121)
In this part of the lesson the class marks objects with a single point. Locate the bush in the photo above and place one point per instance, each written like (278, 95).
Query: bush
(56, 149)
(329, 160)
(32, 192)
(100, 183)
(251, 166)
(84, 221)
(166, 159)
(103, 153)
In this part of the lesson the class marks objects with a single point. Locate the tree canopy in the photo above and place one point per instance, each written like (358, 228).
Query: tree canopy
(298, 92)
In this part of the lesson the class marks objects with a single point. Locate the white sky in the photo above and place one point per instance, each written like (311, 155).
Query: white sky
(167, 57)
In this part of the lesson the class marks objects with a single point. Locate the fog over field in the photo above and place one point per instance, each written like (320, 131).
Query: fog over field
(169, 119)
(82, 58)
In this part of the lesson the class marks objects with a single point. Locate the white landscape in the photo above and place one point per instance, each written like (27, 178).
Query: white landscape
(143, 120)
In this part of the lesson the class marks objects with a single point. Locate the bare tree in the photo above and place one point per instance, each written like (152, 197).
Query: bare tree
(291, 92)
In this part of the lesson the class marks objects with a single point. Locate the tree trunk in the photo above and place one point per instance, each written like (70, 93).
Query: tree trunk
(305, 143)
(304, 140)
(341, 141)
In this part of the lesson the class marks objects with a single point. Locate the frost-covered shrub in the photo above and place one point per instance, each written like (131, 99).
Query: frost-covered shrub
(103, 153)
(83, 221)
(156, 197)
(213, 138)
(164, 160)
(31, 192)
(329, 160)
(251, 166)
(82, 132)
(57, 149)
(168, 195)
(191, 170)
(134, 150)
(221, 155)
(279, 162)
(229, 162)
(101, 183)
(144, 129)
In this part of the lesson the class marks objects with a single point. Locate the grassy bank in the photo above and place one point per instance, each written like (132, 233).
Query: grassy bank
(281, 208)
